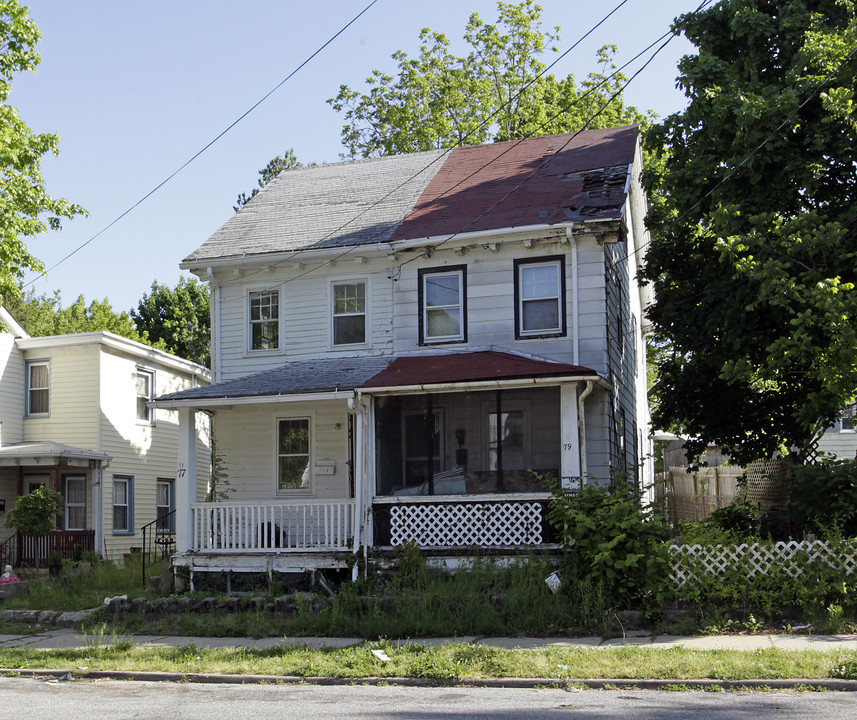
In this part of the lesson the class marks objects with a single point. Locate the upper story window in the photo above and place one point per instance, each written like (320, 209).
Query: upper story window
(293, 466)
(38, 387)
(443, 305)
(145, 393)
(349, 313)
(539, 294)
(265, 320)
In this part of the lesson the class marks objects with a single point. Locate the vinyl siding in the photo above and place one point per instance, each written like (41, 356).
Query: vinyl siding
(11, 391)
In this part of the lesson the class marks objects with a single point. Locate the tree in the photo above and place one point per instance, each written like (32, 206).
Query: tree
(42, 315)
(25, 207)
(177, 318)
(499, 91)
(754, 251)
(286, 161)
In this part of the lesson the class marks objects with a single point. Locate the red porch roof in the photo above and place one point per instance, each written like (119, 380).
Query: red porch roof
(469, 367)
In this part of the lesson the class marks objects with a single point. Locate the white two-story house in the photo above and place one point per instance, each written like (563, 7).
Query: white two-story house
(414, 349)
(75, 417)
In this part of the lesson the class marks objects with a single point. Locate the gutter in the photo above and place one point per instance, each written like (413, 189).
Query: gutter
(484, 385)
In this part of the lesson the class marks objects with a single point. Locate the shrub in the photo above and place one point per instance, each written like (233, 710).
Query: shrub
(36, 512)
(613, 539)
(824, 496)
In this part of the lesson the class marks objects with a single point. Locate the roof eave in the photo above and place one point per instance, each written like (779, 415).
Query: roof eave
(484, 385)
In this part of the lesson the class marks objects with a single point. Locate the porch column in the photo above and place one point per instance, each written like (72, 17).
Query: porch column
(98, 504)
(570, 469)
(185, 478)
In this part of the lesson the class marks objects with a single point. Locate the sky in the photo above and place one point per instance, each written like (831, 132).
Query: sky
(136, 88)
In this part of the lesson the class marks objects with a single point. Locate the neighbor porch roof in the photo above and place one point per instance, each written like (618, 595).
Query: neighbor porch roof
(47, 453)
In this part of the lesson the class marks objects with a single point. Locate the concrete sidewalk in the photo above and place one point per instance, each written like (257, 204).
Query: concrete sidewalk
(67, 638)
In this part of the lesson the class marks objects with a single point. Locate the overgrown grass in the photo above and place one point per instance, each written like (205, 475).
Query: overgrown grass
(67, 592)
(450, 661)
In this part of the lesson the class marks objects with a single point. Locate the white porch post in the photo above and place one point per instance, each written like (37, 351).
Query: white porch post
(98, 505)
(185, 478)
(570, 469)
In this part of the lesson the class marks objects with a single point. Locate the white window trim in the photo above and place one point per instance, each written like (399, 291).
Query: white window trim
(171, 504)
(150, 422)
(560, 300)
(426, 339)
(29, 365)
(129, 504)
(67, 504)
(367, 320)
(847, 412)
(308, 491)
(248, 335)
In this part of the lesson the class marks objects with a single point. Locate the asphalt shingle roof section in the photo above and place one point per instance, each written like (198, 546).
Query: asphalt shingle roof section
(538, 181)
(339, 205)
(308, 376)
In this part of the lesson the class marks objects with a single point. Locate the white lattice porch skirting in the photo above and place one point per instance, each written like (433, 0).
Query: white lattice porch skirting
(484, 524)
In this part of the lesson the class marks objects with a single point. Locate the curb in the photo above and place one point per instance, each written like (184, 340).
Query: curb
(799, 684)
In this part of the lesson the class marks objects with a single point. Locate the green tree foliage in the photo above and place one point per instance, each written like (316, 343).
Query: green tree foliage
(36, 512)
(754, 251)
(496, 92)
(177, 319)
(25, 207)
(42, 315)
(286, 161)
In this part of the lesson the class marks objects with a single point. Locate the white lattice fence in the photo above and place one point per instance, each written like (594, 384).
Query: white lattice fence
(465, 524)
(689, 561)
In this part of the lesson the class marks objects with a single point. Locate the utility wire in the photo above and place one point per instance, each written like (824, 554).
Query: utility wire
(208, 145)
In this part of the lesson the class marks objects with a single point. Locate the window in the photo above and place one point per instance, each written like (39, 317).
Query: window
(349, 313)
(265, 320)
(512, 437)
(38, 387)
(846, 419)
(164, 505)
(421, 429)
(123, 494)
(74, 502)
(539, 293)
(145, 393)
(293, 454)
(443, 307)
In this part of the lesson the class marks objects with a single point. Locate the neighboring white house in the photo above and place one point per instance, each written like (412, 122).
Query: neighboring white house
(74, 416)
(406, 348)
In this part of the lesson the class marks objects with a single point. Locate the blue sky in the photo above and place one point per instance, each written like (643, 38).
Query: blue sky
(135, 88)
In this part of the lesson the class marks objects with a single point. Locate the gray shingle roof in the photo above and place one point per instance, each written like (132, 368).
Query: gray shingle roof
(342, 204)
(308, 376)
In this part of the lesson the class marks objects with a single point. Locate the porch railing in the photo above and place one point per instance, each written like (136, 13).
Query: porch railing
(35, 549)
(272, 526)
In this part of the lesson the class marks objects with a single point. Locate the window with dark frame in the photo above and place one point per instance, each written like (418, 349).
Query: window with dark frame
(443, 305)
(265, 320)
(74, 502)
(349, 313)
(164, 506)
(539, 298)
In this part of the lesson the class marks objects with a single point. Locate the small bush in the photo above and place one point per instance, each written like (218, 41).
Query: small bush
(36, 512)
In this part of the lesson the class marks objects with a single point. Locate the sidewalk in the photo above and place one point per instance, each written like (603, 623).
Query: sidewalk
(67, 638)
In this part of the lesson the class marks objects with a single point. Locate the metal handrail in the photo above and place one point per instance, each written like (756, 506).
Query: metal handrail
(157, 542)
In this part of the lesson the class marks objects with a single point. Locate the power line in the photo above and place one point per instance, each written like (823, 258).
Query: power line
(297, 253)
(208, 145)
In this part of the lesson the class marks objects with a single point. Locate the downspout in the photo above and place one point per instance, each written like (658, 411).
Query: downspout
(214, 319)
(581, 423)
(575, 297)
(356, 407)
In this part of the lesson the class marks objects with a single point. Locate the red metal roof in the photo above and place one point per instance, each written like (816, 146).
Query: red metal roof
(468, 367)
(542, 180)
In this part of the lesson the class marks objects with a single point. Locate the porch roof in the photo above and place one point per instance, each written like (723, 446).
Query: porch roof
(324, 377)
(47, 452)
(309, 376)
(418, 370)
